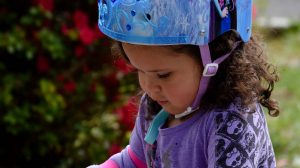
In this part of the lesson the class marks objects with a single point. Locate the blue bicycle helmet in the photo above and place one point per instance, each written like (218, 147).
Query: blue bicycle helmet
(174, 22)
(170, 22)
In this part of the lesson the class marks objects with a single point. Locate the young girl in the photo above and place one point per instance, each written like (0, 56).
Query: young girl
(202, 95)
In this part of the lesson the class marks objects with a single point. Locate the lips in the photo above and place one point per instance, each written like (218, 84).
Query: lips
(162, 102)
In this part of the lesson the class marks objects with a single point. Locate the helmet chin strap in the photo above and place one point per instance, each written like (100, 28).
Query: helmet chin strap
(188, 111)
(210, 69)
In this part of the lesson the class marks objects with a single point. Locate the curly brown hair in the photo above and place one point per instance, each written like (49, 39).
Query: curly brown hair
(246, 74)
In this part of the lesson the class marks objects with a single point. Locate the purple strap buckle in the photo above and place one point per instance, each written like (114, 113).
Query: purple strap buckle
(210, 69)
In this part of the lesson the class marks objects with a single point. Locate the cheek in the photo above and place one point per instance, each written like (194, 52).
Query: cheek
(142, 81)
(175, 91)
(184, 90)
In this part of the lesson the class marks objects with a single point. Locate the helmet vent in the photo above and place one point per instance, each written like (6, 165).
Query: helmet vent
(148, 16)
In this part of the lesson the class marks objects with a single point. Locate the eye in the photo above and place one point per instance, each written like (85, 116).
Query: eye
(164, 75)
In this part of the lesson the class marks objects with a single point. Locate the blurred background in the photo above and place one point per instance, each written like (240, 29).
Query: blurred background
(65, 102)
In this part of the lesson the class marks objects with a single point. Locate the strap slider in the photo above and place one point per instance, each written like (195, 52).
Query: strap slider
(210, 69)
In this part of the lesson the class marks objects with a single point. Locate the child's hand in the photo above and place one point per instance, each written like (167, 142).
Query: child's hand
(224, 12)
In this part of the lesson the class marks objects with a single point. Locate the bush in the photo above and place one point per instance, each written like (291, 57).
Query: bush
(62, 102)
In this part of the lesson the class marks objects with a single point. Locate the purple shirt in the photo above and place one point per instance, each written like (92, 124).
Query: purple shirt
(221, 138)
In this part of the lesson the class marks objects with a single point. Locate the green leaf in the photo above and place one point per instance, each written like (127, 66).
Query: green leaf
(29, 54)
(52, 43)
(2, 66)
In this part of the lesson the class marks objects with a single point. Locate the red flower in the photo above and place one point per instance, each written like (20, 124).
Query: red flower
(70, 86)
(111, 83)
(46, 23)
(60, 78)
(80, 19)
(86, 69)
(47, 5)
(79, 51)
(86, 35)
(123, 66)
(98, 33)
(126, 114)
(93, 87)
(64, 29)
(114, 148)
(42, 64)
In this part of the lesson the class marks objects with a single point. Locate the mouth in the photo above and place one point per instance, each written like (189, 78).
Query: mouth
(162, 102)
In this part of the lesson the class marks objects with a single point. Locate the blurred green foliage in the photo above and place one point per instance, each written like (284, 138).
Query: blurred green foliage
(283, 50)
(62, 102)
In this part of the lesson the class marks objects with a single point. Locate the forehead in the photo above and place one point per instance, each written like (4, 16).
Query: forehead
(172, 49)
(157, 52)
(189, 50)
(142, 56)
(134, 47)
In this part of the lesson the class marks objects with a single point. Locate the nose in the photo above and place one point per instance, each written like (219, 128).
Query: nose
(151, 86)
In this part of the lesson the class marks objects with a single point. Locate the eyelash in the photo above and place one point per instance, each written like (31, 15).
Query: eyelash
(164, 76)
(160, 76)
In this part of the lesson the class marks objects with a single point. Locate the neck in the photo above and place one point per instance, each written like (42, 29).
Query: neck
(173, 121)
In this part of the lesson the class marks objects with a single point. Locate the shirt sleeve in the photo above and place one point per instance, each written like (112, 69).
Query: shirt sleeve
(133, 155)
(239, 138)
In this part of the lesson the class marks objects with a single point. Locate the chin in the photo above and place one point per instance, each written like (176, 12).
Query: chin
(173, 111)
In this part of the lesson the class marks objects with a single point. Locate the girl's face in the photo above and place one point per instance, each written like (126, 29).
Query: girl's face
(170, 78)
